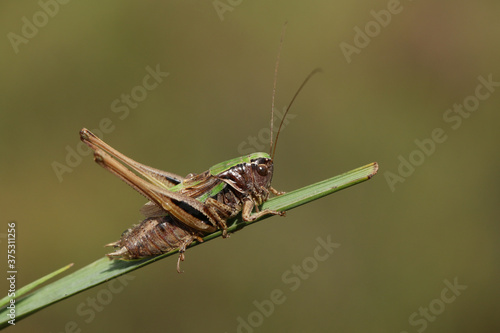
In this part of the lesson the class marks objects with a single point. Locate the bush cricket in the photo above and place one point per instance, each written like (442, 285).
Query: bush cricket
(184, 209)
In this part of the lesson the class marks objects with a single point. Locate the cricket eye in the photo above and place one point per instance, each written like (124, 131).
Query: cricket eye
(262, 170)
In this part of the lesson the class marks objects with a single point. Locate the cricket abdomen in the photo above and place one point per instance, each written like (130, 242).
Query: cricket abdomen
(152, 237)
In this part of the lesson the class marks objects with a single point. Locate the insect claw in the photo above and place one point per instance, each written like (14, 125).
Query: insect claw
(275, 191)
(181, 258)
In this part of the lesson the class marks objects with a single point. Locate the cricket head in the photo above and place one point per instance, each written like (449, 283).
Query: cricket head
(262, 168)
(250, 175)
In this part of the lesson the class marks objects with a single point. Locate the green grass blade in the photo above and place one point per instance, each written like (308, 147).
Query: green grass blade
(20, 292)
(104, 269)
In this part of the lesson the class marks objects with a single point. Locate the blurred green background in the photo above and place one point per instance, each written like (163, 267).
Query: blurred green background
(399, 242)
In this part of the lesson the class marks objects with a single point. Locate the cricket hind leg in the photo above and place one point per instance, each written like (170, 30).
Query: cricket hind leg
(164, 178)
(182, 249)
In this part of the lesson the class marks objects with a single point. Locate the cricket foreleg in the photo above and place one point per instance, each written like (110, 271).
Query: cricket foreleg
(275, 191)
(249, 216)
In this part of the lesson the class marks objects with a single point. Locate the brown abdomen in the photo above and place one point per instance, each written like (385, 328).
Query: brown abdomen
(154, 236)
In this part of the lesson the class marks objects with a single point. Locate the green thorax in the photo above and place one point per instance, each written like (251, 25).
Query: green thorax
(226, 165)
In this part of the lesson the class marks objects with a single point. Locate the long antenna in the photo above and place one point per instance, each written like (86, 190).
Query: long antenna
(274, 85)
(317, 70)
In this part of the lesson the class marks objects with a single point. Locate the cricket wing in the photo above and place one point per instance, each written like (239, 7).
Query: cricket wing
(150, 209)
